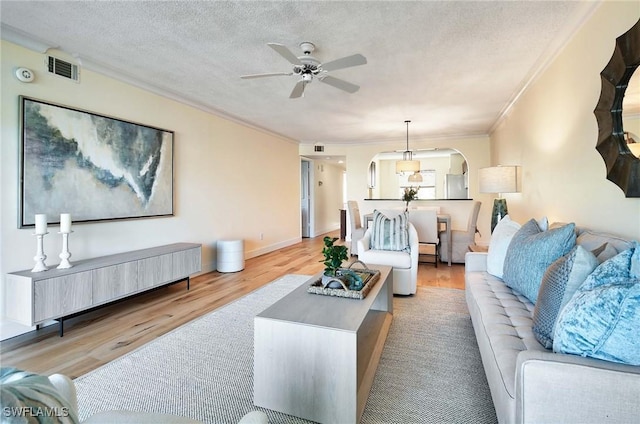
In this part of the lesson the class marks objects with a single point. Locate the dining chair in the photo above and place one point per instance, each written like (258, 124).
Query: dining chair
(426, 223)
(461, 239)
(355, 226)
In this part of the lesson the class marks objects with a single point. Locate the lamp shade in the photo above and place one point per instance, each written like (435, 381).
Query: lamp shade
(415, 178)
(498, 179)
(407, 166)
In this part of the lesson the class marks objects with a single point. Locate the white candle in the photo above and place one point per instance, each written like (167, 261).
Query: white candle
(41, 223)
(65, 223)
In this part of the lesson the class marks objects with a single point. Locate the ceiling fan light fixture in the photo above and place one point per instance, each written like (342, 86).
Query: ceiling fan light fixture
(308, 67)
(407, 164)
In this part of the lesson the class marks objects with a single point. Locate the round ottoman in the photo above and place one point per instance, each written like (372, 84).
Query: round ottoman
(230, 255)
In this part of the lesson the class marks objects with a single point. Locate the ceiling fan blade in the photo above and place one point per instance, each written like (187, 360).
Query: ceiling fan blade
(274, 74)
(285, 52)
(345, 62)
(298, 90)
(341, 84)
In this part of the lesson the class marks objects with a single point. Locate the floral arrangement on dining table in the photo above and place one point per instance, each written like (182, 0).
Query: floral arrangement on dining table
(410, 193)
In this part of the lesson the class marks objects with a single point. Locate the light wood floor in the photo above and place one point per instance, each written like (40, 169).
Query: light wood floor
(95, 338)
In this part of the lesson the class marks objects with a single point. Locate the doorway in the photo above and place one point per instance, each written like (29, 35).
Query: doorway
(306, 199)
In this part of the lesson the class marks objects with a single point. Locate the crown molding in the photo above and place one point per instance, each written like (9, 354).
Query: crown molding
(23, 39)
(545, 60)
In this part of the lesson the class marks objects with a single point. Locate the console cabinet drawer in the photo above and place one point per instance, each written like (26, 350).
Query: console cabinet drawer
(112, 282)
(56, 297)
(155, 271)
(186, 262)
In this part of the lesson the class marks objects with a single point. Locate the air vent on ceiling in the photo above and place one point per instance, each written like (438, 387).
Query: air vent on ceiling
(318, 147)
(63, 68)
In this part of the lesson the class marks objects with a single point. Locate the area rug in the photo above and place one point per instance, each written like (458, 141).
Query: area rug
(430, 370)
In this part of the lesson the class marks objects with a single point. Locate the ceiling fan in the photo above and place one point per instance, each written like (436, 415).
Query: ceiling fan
(308, 67)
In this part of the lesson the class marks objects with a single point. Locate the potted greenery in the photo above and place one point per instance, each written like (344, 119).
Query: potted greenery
(334, 255)
(410, 193)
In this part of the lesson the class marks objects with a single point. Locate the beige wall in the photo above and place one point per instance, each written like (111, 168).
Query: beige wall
(230, 181)
(552, 133)
(327, 202)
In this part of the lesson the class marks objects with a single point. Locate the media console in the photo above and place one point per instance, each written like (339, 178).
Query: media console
(56, 294)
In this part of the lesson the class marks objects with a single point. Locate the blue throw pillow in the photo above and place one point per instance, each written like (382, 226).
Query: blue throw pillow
(560, 282)
(531, 252)
(602, 319)
(390, 233)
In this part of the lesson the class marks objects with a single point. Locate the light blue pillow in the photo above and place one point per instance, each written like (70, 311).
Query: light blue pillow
(390, 233)
(531, 252)
(602, 319)
(559, 283)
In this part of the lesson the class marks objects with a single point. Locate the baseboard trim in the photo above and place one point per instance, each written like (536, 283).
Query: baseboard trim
(329, 229)
(272, 247)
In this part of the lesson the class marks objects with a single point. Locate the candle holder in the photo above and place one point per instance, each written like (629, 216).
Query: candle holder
(65, 254)
(40, 256)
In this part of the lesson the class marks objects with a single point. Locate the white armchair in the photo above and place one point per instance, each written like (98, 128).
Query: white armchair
(405, 264)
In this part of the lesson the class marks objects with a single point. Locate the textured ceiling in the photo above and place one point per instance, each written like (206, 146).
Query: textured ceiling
(452, 67)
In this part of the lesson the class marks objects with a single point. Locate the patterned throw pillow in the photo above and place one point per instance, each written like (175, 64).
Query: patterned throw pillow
(29, 397)
(603, 317)
(560, 282)
(500, 240)
(531, 252)
(390, 233)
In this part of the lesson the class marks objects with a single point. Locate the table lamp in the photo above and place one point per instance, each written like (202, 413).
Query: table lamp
(498, 179)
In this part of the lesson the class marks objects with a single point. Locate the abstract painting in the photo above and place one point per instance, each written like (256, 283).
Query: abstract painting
(91, 166)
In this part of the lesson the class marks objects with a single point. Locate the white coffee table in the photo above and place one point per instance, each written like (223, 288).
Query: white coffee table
(315, 356)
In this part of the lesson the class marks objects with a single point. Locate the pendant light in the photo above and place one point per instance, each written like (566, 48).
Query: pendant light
(407, 164)
(416, 177)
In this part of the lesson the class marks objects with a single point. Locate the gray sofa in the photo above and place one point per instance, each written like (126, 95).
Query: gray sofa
(530, 384)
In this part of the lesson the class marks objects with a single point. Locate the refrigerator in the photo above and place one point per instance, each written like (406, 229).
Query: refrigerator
(455, 186)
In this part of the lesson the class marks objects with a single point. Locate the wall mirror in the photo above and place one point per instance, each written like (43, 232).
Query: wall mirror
(444, 175)
(617, 113)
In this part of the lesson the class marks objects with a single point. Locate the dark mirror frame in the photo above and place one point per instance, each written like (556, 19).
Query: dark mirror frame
(623, 168)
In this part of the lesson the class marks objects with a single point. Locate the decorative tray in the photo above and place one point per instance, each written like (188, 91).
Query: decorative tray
(369, 278)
